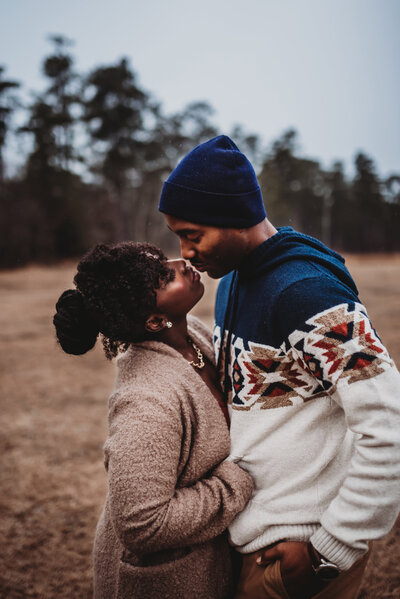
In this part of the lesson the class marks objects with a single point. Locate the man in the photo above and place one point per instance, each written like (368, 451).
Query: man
(314, 396)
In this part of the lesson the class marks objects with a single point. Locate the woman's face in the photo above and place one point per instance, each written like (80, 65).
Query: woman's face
(177, 297)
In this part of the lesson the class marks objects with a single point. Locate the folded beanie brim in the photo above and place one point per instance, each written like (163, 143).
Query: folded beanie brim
(242, 210)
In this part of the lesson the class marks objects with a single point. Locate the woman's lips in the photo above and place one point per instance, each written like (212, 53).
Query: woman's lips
(195, 275)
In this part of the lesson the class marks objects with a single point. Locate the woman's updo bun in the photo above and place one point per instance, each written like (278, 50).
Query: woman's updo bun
(75, 328)
(115, 292)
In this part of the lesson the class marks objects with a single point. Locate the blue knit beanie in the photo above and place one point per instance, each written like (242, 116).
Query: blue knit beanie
(214, 185)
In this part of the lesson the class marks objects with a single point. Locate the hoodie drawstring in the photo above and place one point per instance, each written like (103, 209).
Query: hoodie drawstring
(228, 320)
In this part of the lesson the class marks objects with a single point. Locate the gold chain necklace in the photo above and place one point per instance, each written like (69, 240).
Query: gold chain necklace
(200, 363)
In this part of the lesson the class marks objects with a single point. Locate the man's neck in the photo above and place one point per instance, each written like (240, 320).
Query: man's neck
(258, 234)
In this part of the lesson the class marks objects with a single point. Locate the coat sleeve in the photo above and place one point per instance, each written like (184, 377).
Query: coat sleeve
(333, 341)
(142, 455)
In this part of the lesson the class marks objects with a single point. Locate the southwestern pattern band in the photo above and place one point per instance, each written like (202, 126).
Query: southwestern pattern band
(340, 346)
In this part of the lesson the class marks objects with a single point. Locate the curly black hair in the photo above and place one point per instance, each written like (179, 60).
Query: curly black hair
(115, 293)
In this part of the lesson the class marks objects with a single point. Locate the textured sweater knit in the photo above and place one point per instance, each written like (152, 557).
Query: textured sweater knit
(314, 399)
(171, 495)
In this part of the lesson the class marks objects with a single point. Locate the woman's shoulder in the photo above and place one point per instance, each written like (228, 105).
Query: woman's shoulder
(146, 381)
(154, 369)
(149, 368)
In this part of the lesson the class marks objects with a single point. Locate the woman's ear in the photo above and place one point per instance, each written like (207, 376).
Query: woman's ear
(155, 323)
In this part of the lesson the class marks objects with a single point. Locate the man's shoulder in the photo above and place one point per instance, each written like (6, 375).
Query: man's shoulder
(299, 271)
(293, 271)
(285, 275)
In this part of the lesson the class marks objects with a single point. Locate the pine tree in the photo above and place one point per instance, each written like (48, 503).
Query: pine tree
(7, 105)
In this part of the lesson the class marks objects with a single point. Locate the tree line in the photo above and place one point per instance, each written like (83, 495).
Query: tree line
(100, 147)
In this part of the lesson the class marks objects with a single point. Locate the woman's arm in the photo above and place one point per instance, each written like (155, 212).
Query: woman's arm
(143, 454)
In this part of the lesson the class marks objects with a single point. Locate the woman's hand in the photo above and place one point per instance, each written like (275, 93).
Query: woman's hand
(297, 573)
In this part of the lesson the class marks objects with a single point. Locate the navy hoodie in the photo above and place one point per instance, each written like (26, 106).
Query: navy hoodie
(287, 279)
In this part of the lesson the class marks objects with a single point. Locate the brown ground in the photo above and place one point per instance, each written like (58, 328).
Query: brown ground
(54, 424)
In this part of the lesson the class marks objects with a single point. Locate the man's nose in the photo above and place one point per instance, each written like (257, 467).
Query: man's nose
(187, 250)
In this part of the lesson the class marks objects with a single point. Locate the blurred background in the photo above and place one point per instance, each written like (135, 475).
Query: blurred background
(98, 102)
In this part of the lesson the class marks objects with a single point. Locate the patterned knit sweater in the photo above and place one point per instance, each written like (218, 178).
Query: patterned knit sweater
(314, 399)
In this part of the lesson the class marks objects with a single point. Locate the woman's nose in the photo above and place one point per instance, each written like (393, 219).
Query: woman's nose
(179, 264)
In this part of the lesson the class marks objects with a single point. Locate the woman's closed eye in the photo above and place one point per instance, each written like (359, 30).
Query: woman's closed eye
(171, 275)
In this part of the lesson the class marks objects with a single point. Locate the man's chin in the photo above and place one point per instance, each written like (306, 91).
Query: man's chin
(216, 274)
(212, 272)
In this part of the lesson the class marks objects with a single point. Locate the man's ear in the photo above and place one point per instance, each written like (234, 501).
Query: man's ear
(155, 323)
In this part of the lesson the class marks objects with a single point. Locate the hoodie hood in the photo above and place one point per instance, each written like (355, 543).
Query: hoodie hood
(287, 245)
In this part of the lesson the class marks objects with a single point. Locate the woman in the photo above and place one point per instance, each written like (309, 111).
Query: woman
(171, 495)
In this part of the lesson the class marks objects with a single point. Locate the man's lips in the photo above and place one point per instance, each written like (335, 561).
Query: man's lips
(199, 267)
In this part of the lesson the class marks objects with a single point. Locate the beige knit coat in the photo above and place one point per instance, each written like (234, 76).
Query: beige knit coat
(171, 494)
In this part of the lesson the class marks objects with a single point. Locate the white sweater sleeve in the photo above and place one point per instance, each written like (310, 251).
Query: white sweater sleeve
(366, 384)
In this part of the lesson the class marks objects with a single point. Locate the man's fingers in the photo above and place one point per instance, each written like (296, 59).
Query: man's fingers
(268, 556)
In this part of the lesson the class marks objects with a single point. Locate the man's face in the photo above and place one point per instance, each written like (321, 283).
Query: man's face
(210, 249)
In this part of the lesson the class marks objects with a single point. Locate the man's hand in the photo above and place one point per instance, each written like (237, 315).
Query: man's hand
(297, 573)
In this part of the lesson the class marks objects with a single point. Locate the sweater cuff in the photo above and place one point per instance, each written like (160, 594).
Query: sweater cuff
(334, 550)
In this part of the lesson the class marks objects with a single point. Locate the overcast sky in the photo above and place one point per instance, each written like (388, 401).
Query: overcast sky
(329, 68)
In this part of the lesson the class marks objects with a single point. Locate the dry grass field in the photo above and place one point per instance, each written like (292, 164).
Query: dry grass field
(53, 425)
